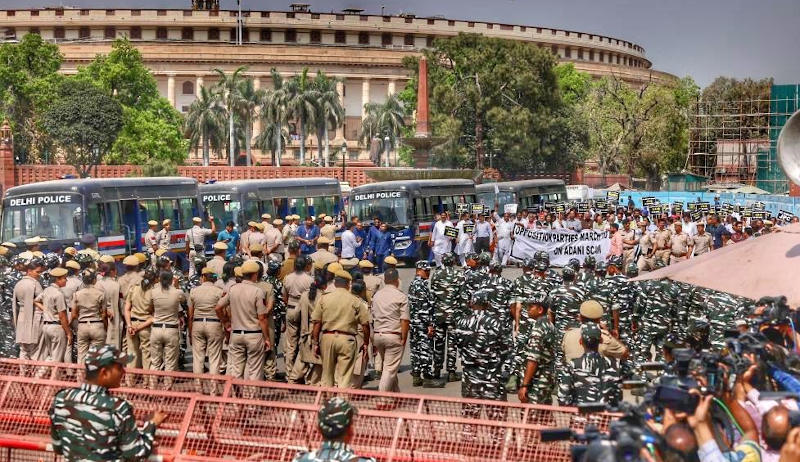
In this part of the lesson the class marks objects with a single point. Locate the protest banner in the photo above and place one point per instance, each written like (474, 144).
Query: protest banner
(469, 228)
(462, 208)
(510, 208)
(583, 207)
(560, 244)
(478, 209)
(612, 196)
(450, 231)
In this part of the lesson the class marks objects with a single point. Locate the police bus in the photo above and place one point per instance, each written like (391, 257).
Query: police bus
(246, 200)
(408, 208)
(115, 210)
(524, 193)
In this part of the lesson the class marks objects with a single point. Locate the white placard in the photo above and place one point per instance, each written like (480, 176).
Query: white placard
(560, 244)
(510, 208)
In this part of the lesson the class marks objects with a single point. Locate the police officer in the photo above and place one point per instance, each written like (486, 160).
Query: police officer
(390, 320)
(205, 328)
(27, 319)
(164, 237)
(165, 334)
(656, 304)
(591, 377)
(328, 230)
(591, 313)
(250, 306)
(447, 285)
(139, 317)
(150, 240)
(703, 242)
(89, 308)
(196, 238)
(539, 379)
(218, 261)
(681, 244)
(374, 283)
(335, 422)
(89, 423)
(322, 255)
(107, 282)
(336, 318)
(421, 307)
(274, 241)
(55, 326)
(294, 285)
(308, 366)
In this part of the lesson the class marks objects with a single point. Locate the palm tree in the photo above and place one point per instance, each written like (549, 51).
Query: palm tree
(249, 99)
(301, 104)
(228, 93)
(271, 138)
(329, 114)
(275, 114)
(383, 120)
(205, 122)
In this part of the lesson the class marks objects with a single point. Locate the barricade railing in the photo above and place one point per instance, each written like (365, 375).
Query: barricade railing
(273, 421)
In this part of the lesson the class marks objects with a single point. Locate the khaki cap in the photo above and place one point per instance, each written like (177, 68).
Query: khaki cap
(152, 223)
(130, 260)
(10, 245)
(365, 264)
(591, 309)
(335, 267)
(34, 240)
(142, 257)
(256, 248)
(238, 271)
(38, 253)
(106, 259)
(768, 223)
(72, 264)
(220, 246)
(71, 251)
(328, 219)
(321, 215)
(166, 222)
(3, 250)
(349, 263)
(295, 217)
(252, 224)
(343, 275)
(250, 267)
(197, 220)
(260, 226)
(323, 240)
(58, 272)
(266, 216)
(26, 255)
(390, 260)
(277, 222)
(160, 252)
(207, 270)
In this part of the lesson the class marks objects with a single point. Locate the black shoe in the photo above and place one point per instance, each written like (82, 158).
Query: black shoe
(434, 383)
(454, 377)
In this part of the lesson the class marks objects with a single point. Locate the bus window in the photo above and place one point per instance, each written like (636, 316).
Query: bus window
(323, 204)
(94, 219)
(148, 210)
(113, 221)
(187, 212)
(270, 206)
(169, 207)
(224, 212)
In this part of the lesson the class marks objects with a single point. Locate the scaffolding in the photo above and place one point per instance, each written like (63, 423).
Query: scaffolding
(735, 142)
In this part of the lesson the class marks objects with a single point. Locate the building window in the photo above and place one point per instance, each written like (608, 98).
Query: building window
(409, 20)
(184, 109)
(187, 12)
(568, 52)
(314, 15)
(506, 27)
(470, 24)
(431, 22)
(84, 12)
(552, 31)
(591, 55)
(11, 13)
(580, 35)
(600, 56)
(161, 12)
(109, 12)
(233, 36)
(58, 32)
(245, 35)
(84, 33)
(213, 33)
(290, 36)
(34, 12)
(451, 23)
(34, 30)
(289, 15)
(136, 32)
(538, 30)
(136, 12)
(522, 28)
(187, 33)
(387, 19)
(340, 17)
(490, 26)
(161, 33)
(386, 39)
(554, 49)
(352, 154)
(566, 33)
(213, 13)
(339, 36)
(429, 41)
(363, 38)
(580, 53)
(265, 35)
(265, 14)
(187, 88)
(110, 32)
(364, 18)
(408, 39)
(316, 36)
(11, 33)
(617, 59)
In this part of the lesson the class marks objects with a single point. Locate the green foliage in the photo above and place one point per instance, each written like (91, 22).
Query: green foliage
(159, 167)
(383, 120)
(84, 122)
(574, 85)
(123, 75)
(205, 123)
(329, 112)
(149, 134)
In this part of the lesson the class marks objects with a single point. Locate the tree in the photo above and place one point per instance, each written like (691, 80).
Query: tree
(329, 113)
(249, 100)
(149, 134)
(84, 122)
(205, 123)
(123, 75)
(383, 120)
(227, 91)
(302, 105)
(275, 114)
(159, 167)
(271, 138)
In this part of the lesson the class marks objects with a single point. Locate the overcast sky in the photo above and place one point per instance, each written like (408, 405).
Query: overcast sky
(701, 38)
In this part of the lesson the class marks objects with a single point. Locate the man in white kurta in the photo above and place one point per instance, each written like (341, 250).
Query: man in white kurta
(504, 237)
(439, 243)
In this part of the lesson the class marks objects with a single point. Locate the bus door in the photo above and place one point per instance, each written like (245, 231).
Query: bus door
(130, 220)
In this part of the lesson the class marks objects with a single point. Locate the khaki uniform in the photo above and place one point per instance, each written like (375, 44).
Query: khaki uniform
(679, 247)
(273, 238)
(54, 343)
(207, 331)
(196, 235)
(150, 241)
(244, 238)
(627, 249)
(114, 326)
(328, 231)
(373, 283)
(246, 346)
(27, 319)
(389, 309)
(308, 365)
(663, 244)
(73, 284)
(165, 335)
(128, 280)
(217, 264)
(572, 347)
(270, 354)
(163, 239)
(703, 243)
(294, 285)
(323, 257)
(141, 310)
(287, 268)
(256, 237)
(91, 305)
(340, 313)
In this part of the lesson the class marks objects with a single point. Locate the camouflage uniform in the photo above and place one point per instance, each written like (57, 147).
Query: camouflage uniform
(656, 307)
(420, 307)
(529, 285)
(542, 348)
(333, 419)
(723, 309)
(500, 297)
(331, 451)
(591, 377)
(585, 278)
(278, 308)
(88, 423)
(8, 346)
(447, 285)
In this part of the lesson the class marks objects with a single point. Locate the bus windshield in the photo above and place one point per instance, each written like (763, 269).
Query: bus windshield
(503, 197)
(301, 206)
(391, 210)
(226, 211)
(28, 217)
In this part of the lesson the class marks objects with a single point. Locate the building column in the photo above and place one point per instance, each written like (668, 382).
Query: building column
(198, 84)
(391, 88)
(364, 97)
(340, 92)
(171, 89)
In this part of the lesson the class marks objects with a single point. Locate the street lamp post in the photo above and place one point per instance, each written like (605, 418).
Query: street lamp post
(344, 160)
(386, 148)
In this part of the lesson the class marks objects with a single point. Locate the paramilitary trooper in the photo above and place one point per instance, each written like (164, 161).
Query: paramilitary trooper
(420, 306)
(538, 383)
(447, 285)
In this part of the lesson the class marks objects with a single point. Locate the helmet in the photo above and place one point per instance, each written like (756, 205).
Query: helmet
(632, 270)
(541, 265)
(273, 267)
(84, 259)
(198, 261)
(52, 260)
(480, 297)
(529, 263)
(568, 273)
(600, 267)
(448, 259)
(484, 258)
(574, 263)
(495, 267)
(589, 262)
(37, 261)
(4, 261)
(537, 298)
(541, 255)
(659, 263)
(423, 265)
(616, 260)
(163, 260)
